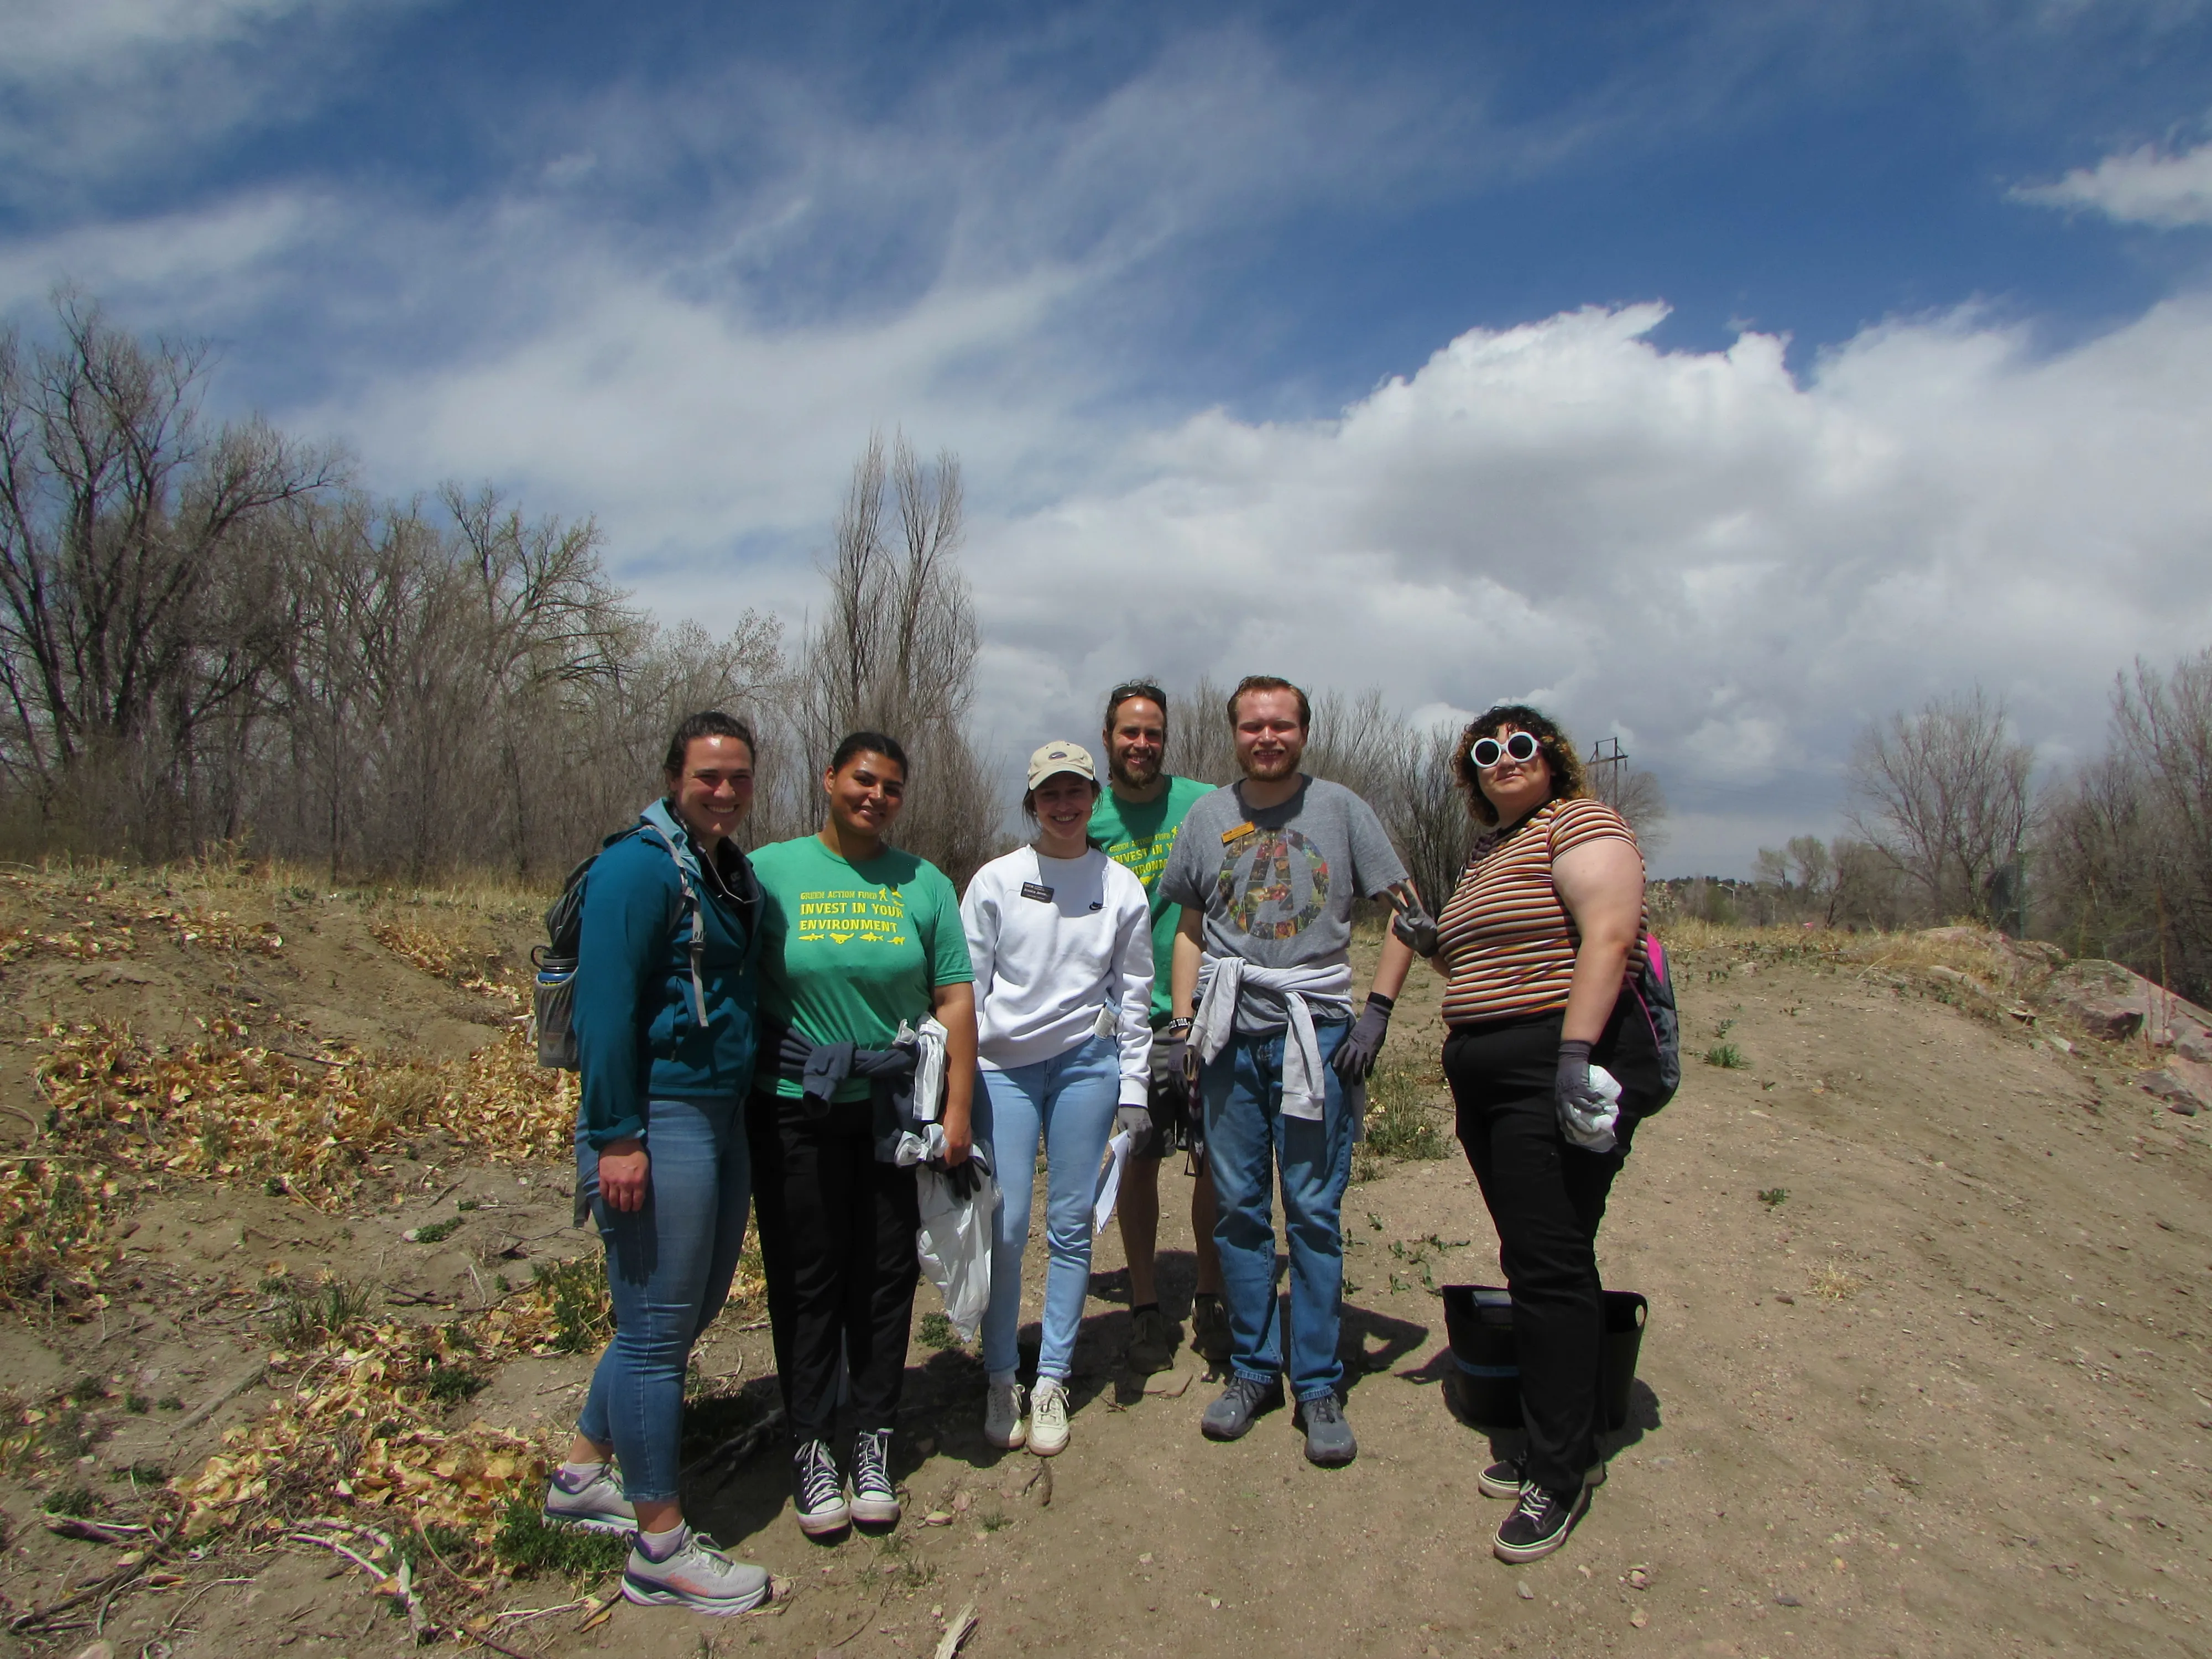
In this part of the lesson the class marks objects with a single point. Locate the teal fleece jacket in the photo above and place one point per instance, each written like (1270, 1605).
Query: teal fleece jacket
(638, 1037)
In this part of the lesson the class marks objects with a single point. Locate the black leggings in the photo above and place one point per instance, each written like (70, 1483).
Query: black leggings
(1547, 1197)
(837, 1244)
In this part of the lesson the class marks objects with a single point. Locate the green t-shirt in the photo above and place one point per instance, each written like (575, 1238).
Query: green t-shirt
(1139, 836)
(849, 951)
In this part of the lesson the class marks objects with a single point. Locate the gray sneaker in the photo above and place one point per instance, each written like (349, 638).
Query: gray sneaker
(596, 1503)
(1245, 1399)
(698, 1574)
(1328, 1436)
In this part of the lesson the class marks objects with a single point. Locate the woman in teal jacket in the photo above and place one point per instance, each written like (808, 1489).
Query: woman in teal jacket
(665, 1013)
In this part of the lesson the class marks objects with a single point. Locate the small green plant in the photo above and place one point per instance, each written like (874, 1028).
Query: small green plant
(89, 1391)
(576, 1295)
(527, 1544)
(1374, 1221)
(136, 1404)
(1773, 1197)
(78, 1500)
(274, 1186)
(937, 1332)
(994, 1519)
(449, 1384)
(310, 1314)
(1726, 1056)
(431, 1232)
(465, 1205)
(170, 1402)
(1399, 1122)
(140, 1474)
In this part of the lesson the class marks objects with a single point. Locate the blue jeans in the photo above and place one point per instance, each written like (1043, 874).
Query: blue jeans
(669, 1267)
(1246, 1137)
(1068, 1102)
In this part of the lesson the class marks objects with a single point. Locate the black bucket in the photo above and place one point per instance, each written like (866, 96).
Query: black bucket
(1478, 1321)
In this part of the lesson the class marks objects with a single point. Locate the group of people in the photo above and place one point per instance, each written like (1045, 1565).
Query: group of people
(798, 1032)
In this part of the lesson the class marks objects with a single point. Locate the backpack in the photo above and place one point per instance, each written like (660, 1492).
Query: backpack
(1654, 990)
(553, 996)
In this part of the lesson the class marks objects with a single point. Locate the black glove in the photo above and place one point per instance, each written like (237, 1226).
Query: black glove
(1416, 927)
(1136, 1123)
(965, 1177)
(1355, 1056)
(1572, 1086)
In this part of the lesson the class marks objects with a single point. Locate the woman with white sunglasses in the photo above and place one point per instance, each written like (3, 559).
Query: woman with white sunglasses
(1542, 934)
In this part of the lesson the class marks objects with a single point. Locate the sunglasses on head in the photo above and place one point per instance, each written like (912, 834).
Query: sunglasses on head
(1128, 688)
(1488, 751)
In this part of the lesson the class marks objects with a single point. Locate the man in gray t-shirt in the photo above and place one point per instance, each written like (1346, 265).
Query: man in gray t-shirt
(1266, 871)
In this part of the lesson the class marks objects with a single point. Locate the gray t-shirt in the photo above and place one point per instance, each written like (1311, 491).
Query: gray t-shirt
(1277, 884)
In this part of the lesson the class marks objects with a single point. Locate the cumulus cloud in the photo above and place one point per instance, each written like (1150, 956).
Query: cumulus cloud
(1738, 568)
(2147, 187)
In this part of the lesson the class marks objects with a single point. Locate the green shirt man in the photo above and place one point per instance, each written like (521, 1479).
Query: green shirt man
(1139, 836)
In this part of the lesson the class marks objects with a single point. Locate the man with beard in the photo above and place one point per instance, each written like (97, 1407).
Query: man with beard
(1135, 823)
(1265, 871)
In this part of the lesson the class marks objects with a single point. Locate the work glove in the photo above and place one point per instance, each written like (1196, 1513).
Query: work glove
(1136, 1123)
(1587, 1113)
(1355, 1056)
(965, 1177)
(1413, 924)
(1172, 1050)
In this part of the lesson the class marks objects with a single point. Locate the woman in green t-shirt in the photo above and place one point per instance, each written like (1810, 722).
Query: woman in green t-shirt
(857, 939)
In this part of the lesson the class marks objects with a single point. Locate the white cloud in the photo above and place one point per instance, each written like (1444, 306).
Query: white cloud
(1745, 567)
(2147, 187)
(93, 38)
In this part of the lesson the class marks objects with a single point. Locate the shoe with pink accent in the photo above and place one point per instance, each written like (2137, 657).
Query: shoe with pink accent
(698, 1574)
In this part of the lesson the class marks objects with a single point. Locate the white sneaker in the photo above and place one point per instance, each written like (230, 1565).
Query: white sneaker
(1006, 1423)
(596, 1504)
(1048, 1417)
(699, 1575)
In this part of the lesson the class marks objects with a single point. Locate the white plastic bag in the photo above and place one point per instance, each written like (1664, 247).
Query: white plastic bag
(955, 1243)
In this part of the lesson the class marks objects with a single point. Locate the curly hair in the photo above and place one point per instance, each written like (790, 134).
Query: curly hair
(1568, 782)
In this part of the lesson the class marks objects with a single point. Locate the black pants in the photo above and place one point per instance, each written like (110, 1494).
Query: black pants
(837, 1242)
(1547, 1196)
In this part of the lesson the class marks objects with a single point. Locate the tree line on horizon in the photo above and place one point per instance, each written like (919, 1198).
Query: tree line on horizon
(210, 636)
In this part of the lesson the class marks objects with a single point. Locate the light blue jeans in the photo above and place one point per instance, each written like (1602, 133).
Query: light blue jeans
(669, 1267)
(1067, 1102)
(1248, 1140)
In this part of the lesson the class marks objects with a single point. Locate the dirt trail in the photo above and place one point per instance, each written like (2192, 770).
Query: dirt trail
(1936, 1391)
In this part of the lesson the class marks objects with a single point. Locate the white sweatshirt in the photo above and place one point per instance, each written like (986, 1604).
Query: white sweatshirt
(1055, 941)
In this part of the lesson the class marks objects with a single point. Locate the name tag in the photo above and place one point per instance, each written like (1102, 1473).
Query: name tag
(1239, 833)
(1041, 893)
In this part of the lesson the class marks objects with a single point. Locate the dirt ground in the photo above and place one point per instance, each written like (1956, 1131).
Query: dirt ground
(1928, 1329)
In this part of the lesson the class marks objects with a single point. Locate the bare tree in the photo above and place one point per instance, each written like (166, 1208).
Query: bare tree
(1944, 794)
(895, 651)
(123, 522)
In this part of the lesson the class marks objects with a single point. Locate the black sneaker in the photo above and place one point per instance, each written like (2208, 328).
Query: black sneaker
(1152, 1338)
(1540, 1523)
(1245, 1399)
(875, 1500)
(1505, 1478)
(817, 1492)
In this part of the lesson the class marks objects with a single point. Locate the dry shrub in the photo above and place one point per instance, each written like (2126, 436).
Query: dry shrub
(1985, 956)
(105, 922)
(1834, 1282)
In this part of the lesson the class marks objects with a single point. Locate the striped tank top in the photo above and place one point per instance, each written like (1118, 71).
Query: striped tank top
(1508, 942)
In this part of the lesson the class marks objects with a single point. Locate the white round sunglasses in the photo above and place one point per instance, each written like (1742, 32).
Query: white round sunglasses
(1488, 751)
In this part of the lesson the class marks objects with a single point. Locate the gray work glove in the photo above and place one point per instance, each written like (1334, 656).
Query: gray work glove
(1136, 1123)
(1171, 1049)
(1411, 920)
(1355, 1056)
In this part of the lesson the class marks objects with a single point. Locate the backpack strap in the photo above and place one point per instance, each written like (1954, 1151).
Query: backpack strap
(661, 825)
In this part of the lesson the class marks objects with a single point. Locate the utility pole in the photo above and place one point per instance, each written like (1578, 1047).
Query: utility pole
(1604, 765)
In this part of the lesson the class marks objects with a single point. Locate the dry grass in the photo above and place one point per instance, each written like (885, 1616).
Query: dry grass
(1832, 1281)
(449, 956)
(125, 1114)
(1983, 956)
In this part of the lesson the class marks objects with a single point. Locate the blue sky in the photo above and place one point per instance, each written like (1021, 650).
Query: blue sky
(1727, 375)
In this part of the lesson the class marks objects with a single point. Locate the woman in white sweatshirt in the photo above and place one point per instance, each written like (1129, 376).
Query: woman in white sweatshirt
(1060, 936)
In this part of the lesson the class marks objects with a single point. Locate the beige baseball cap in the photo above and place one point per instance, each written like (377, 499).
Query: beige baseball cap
(1057, 758)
